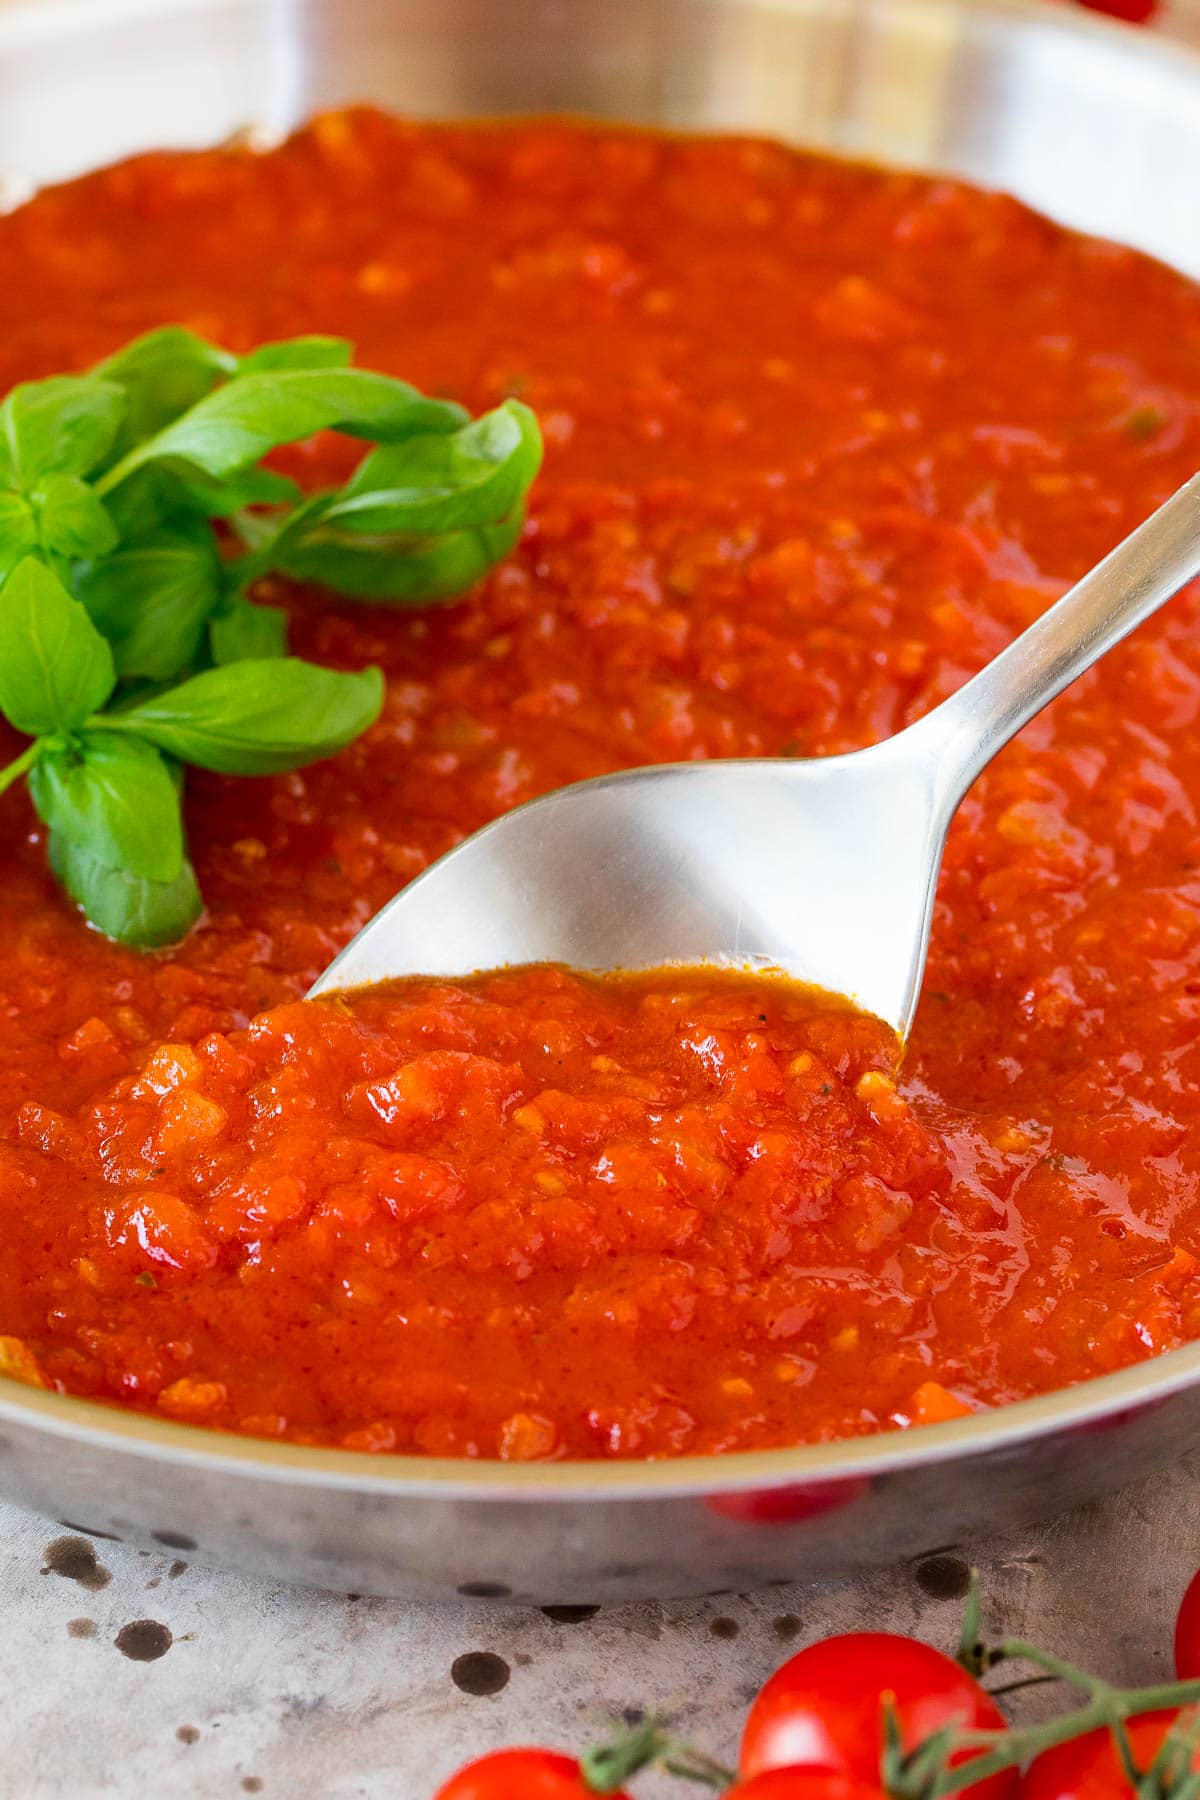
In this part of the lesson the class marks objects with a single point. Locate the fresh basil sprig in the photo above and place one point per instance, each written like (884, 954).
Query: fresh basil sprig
(130, 641)
(104, 779)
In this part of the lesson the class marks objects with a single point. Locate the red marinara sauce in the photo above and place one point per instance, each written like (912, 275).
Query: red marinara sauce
(822, 439)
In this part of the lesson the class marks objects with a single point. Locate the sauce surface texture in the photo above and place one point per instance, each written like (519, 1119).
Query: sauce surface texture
(821, 439)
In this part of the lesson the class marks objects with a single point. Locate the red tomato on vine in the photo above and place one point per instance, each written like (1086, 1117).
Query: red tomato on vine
(824, 1708)
(1088, 1768)
(803, 1784)
(520, 1775)
(1187, 1633)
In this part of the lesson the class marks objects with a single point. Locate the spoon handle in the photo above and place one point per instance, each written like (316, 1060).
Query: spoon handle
(1140, 575)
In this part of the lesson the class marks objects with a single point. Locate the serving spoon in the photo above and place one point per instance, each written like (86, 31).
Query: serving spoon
(823, 869)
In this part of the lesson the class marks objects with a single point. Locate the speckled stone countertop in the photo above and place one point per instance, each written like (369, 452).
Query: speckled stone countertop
(131, 1673)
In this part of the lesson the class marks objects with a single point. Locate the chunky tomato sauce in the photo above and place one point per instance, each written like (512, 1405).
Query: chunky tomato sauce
(821, 439)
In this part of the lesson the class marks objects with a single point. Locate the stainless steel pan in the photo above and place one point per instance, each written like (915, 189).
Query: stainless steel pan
(1096, 126)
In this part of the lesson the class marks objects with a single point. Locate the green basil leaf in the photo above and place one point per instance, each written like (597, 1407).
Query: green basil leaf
(234, 427)
(254, 487)
(144, 914)
(163, 373)
(403, 570)
(65, 425)
(148, 499)
(474, 476)
(55, 668)
(152, 600)
(259, 717)
(71, 521)
(18, 531)
(297, 353)
(398, 541)
(248, 632)
(114, 796)
(155, 495)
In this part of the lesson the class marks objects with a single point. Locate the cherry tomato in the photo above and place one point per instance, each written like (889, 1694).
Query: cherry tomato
(803, 1784)
(1135, 11)
(521, 1775)
(1087, 1768)
(1187, 1633)
(825, 1708)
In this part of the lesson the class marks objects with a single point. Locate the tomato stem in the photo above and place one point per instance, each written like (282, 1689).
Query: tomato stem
(1170, 1774)
(1017, 1650)
(1105, 1706)
(1124, 1750)
(971, 1654)
(1011, 1748)
(693, 1765)
(606, 1767)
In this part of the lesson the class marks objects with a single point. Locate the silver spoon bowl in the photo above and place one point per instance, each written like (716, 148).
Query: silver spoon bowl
(824, 870)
